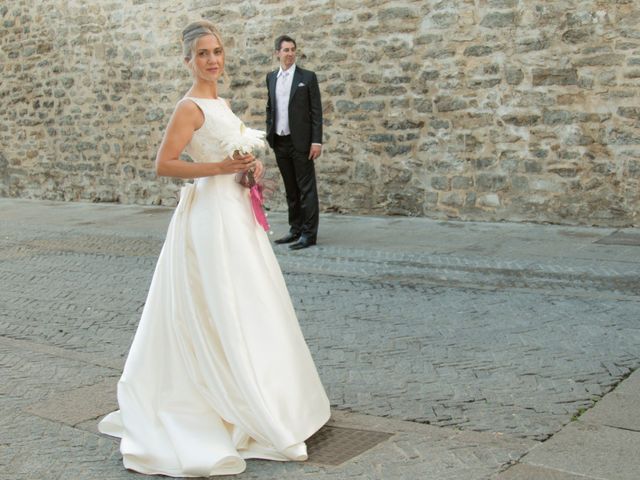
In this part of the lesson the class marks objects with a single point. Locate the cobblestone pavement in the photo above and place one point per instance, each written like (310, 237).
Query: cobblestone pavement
(482, 327)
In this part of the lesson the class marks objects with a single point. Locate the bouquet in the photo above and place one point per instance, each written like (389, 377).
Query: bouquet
(245, 141)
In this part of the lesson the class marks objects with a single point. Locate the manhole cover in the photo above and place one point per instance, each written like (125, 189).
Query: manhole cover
(336, 445)
(621, 238)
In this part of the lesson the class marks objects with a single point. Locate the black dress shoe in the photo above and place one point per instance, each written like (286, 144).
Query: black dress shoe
(288, 238)
(303, 242)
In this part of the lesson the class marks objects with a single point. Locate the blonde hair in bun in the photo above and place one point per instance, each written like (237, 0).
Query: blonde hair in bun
(192, 33)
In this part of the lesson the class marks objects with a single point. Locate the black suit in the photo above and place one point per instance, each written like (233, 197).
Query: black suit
(292, 151)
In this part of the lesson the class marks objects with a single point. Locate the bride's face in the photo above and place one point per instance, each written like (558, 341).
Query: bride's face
(208, 63)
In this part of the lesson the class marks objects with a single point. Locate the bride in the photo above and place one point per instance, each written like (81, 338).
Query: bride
(218, 371)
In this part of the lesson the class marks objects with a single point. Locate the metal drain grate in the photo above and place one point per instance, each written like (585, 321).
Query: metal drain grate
(81, 408)
(336, 445)
(621, 238)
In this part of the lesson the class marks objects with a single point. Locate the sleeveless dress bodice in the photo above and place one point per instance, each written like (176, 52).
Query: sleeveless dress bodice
(209, 142)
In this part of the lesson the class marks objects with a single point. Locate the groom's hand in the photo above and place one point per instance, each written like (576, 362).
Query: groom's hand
(315, 152)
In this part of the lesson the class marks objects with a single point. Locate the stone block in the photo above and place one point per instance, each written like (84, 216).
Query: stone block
(423, 105)
(470, 200)
(356, 91)
(607, 59)
(398, 49)
(578, 19)
(499, 20)
(484, 163)
(427, 75)
(387, 90)
(439, 53)
(333, 57)
(440, 183)
(531, 44)
(545, 185)
(400, 103)
(554, 76)
(451, 199)
(504, 4)
(344, 106)
(461, 183)
(428, 39)
(521, 120)
(491, 182)
(439, 124)
(399, 124)
(443, 20)
(397, 80)
(491, 200)
(335, 89)
(398, 150)
(629, 112)
(450, 104)
(372, 106)
(381, 138)
(367, 55)
(478, 51)
(558, 117)
(607, 78)
(565, 171)
(586, 82)
(402, 14)
(475, 83)
(539, 152)
(486, 69)
(520, 184)
(623, 136)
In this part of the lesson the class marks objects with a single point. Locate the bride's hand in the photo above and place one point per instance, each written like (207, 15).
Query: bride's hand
(258, 171)
(237, 163)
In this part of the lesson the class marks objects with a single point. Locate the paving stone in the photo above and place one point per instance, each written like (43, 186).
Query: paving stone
(76, 406)
(529, 472)
(616, 409)
(590, 450)
(631, 385)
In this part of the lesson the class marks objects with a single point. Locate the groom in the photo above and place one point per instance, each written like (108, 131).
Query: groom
(294, 132)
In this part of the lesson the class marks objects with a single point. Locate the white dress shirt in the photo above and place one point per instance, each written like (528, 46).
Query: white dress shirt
(283, 90)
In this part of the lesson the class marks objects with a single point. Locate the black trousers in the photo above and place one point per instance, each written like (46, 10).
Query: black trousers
(299, 176)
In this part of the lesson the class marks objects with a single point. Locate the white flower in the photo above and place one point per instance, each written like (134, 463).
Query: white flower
(245, 140)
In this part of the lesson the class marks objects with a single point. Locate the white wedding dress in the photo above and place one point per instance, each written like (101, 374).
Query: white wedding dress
(218, 371)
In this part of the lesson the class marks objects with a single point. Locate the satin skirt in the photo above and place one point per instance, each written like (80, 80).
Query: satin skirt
(219, 370)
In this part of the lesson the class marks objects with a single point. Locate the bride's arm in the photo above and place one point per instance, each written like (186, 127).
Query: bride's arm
(186, 119)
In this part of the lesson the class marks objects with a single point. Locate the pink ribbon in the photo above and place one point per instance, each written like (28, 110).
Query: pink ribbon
(257, 200)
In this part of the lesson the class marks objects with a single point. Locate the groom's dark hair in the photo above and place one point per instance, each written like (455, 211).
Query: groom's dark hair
(284, 38)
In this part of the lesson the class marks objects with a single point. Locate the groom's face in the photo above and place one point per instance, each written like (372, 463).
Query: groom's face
(286, 54)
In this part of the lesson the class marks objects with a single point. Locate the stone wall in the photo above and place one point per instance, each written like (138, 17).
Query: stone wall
(471, 109)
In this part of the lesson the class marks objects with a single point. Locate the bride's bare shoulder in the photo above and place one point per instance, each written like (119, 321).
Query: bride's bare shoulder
(189, 111)
(187, 104)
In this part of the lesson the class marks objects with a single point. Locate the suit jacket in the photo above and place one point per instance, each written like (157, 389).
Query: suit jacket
(305, 109)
